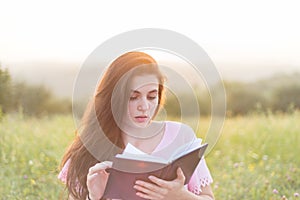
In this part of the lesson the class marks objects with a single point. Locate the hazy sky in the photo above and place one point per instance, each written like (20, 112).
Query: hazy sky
(235, 34)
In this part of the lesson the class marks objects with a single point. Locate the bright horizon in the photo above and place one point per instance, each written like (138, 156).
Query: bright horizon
(237, 36)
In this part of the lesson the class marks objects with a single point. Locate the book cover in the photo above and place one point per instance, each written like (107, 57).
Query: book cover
(129, 167)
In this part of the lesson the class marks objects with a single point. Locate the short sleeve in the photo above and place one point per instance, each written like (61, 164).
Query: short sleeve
(200, 178)
(64, 171)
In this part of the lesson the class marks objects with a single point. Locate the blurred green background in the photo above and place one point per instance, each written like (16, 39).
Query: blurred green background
(256, 156)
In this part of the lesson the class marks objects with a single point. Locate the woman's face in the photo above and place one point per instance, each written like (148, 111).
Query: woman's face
(143, 100)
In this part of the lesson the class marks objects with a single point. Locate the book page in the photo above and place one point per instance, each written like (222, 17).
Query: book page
(132, 153)
(130, 149)
(185, 149)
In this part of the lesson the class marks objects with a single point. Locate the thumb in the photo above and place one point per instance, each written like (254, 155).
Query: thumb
(180, 175)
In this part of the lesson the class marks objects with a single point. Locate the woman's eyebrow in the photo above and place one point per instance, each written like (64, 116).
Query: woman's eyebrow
(155, 90)
(138, 92)
(135, 91)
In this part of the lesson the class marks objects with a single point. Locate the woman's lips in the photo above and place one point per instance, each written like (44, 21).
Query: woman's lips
(141, 119)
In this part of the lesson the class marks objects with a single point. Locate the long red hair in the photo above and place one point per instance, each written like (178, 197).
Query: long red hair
(98, 137)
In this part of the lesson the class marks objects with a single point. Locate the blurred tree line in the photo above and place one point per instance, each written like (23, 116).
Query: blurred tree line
(34, 100)
(280, 93)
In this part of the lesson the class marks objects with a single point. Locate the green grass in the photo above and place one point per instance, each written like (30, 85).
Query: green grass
(30, 152)
(254, 155)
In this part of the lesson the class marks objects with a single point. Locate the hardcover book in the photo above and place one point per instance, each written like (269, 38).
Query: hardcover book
(134, 165)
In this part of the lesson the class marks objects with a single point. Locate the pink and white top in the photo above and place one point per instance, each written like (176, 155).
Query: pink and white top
(175, 135)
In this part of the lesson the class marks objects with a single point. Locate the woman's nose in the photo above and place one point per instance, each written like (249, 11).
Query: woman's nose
(143, 105)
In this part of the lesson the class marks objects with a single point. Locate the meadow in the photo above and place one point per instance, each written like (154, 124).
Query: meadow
(256, 157)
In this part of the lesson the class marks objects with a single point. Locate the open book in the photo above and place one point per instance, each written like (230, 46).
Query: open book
(134, 165)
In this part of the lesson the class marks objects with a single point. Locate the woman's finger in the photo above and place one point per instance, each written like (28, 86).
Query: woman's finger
(100, 167)
(160, 182)
(180, 175)
(149, 190)
(91, 177)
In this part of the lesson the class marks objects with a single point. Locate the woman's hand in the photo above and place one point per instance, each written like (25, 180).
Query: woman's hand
(161, 189)
(97, 179)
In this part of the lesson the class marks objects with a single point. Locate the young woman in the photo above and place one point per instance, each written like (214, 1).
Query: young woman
(128, 97)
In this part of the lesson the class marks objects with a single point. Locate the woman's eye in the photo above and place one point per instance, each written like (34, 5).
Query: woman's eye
(133, 98)
(152, 97)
